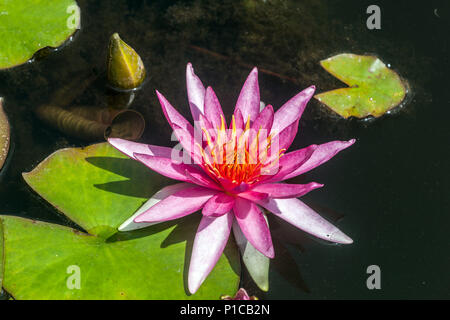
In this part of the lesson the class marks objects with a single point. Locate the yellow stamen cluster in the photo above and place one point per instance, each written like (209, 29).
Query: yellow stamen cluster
(237, 156)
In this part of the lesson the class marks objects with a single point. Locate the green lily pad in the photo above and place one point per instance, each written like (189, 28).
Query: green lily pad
(98, 188)
(1, 253)
(47, 261)
(374, 88)
(30, 25)
(4, 135)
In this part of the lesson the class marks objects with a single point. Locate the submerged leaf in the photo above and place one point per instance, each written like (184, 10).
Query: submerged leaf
(70, 123)
(125, 67)
(30, 25)
(374, 88)
(4, 135)
(91, 123)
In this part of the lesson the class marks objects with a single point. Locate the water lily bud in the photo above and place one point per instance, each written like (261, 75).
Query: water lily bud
(125, 68)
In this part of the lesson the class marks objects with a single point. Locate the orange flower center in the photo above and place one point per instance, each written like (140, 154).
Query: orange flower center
(238, 157)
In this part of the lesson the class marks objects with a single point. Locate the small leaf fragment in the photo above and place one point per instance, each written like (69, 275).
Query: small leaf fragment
(125, 67)
(4, 135)
(374, 88)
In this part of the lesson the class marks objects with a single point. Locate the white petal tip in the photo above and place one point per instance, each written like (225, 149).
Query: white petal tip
(130, 225)
(190, 73)
(116, 142)
(127, 226)
(309, 92)
(194, 286)
(138, 220)
(340, 237)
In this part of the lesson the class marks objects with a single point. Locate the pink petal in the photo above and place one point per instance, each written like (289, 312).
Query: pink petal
(219, 204)
(130, 147)
(264, 120)
(182, 128)
(130, 225)
(284, 190)
(248, 101)
(292, 110)
(210, 241)
(196, 92)
(303, 217)
(254, 226)
(178, 205)
(213, 110)
(172, 115)
(189, 142)
(253, 196)
(322, 154)
(241, 295)
(202, 179)
(166, 167)
(204, 124)
(239, 120)
(287, 136)
(288, 163)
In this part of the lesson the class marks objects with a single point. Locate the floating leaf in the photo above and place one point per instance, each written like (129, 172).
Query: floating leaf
(4, 135)
(43, 261)
(125, 67)
(374, 88)
(1, 255)
(30, 25)
(98, 188)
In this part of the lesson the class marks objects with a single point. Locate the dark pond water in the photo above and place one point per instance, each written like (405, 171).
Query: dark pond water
(389, 191)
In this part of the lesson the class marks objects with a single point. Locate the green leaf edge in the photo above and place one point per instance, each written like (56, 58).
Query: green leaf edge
(54, 46)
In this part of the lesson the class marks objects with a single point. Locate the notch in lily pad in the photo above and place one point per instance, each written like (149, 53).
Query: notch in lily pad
(126, 70)
(373, 89)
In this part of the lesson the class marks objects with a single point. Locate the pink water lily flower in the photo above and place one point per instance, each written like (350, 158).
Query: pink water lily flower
(233, 171)
(240, 295)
